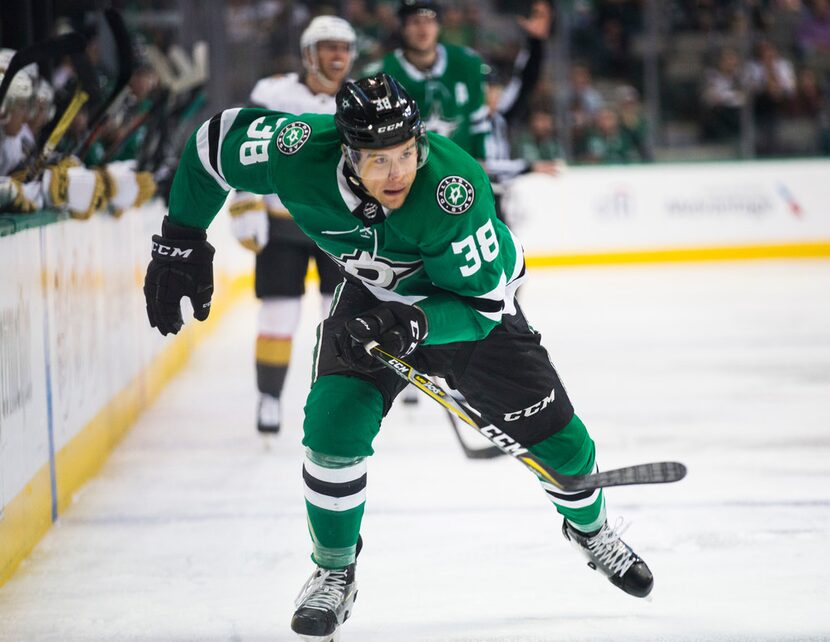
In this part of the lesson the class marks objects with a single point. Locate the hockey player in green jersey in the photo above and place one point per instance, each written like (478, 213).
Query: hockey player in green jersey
(445, 80)
(430, 273)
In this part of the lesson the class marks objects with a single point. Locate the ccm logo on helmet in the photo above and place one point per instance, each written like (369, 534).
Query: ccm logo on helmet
(531, 410)
(173, 252)
(390, 128)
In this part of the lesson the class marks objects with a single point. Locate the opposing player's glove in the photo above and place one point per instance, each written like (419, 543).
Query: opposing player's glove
(397, 327)
(181, 266)
(249, 221)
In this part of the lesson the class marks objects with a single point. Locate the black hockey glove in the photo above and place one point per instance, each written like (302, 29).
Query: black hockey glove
(397, 327)
(181, 265)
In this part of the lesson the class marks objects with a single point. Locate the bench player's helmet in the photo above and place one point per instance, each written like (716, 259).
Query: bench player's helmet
(377, 112)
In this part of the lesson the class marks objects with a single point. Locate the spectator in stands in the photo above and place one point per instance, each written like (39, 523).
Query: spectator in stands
(633, 122)
(810, 99)
(368, 30)
(771, 79)
(605, 142)
(723, 96)
(539, 143)
(814, 31)
(455, 30)
(585, 102)
(781, 20)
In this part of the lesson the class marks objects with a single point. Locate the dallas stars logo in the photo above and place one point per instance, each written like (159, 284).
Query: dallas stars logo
(293, 137)
(455, 195)
(377, 271)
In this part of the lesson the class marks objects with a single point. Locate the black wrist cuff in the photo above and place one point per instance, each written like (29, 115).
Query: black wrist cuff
(171, 230)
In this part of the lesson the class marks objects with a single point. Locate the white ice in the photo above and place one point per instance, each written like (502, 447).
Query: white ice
(195, 530)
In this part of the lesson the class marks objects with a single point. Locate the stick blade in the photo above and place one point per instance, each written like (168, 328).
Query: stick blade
(661, 472)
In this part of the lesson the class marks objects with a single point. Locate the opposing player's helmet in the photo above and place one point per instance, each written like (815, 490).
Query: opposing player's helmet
(409, 8)
(377, 112)
(19, 95)
(325, 28)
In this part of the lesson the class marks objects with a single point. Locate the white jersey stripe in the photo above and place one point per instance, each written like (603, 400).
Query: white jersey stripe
(225, 123)
(203, 150)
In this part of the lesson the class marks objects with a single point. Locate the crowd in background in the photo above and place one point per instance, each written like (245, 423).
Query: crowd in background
(723, 66)
(714, 58)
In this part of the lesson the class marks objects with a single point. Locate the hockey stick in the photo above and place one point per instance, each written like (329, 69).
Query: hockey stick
(85, 89)
(126, 66)
(488, 452)
(51, 49)
(655, 473)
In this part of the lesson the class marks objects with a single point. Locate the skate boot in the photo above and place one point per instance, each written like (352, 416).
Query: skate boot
(612, 557)
(268, 415)
(324, 603)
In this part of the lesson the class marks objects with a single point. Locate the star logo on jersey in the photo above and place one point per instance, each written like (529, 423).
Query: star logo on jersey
(455, 195)
(377, 271)
(293, 137)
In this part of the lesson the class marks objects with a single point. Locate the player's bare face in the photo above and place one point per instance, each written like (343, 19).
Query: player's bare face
(334, 59)
(420, 33)
(388, 173)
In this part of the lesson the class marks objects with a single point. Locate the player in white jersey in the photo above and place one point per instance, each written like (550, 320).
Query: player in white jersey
(264, 225)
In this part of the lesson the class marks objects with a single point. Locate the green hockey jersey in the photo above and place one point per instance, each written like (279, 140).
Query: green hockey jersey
(443, 249)
(450, 95)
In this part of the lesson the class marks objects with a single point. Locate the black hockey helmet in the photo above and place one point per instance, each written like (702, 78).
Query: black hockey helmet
(376, 112)
(409, 8)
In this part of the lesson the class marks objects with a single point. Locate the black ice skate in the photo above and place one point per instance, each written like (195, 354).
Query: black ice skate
(612, 557)
(324, 603)
(268, 415)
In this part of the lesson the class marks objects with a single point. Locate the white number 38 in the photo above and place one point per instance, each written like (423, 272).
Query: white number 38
(485, 245)
(256, 150)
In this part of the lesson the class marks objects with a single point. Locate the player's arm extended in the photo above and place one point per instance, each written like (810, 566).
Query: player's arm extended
(231, 150)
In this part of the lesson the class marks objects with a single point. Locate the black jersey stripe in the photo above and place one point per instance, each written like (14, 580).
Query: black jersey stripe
(483, 305)
(332, 489)
(571, 497)
(214, 128)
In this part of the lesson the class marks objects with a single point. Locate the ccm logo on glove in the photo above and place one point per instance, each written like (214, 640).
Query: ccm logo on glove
(172, 252)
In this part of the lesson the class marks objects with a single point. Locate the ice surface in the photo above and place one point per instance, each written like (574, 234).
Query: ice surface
(194, 530)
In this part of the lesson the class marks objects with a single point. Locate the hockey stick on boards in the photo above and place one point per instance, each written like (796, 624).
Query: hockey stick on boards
(40, 52)
(126, 67)
(655, 473)
(86, 88)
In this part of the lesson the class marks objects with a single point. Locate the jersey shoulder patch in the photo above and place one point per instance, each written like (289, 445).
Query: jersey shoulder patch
(293, 136)
(455, 195)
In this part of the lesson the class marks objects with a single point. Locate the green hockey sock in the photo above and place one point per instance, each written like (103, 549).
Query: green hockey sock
(571, 451)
